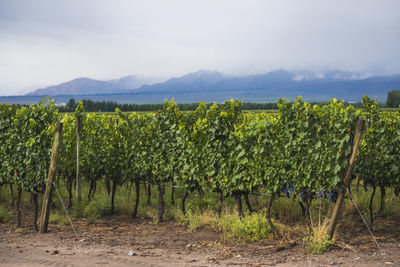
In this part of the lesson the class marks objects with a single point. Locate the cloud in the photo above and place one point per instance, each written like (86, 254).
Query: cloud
(45, 42)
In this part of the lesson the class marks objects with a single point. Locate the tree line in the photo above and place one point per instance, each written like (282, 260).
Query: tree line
(393, 101)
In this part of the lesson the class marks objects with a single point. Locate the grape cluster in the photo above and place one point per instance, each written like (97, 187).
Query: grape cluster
(288, 191)
(332, 196)
(321, 193)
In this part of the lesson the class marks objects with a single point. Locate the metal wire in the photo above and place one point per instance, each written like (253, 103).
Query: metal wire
(66, 212)
(366, 224)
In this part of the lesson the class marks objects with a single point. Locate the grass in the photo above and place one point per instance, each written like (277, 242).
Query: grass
(286, 210)
(362, 199)
(5, 215)
(98, 207)
(196, 220)
(317, 241)
(251, 228)
(59, 218)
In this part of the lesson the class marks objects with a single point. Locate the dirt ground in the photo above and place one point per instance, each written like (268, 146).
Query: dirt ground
(122, 241)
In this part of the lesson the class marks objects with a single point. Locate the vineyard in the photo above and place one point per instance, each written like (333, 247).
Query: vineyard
(303, 152)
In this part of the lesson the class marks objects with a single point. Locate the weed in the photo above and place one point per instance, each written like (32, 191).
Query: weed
(251, 228)
(97, 208)
(317, 241)
(196, 220)
(5, 215)
(286, 209)
(58, 218)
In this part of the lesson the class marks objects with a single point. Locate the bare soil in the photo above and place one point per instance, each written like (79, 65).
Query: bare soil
(110, 241)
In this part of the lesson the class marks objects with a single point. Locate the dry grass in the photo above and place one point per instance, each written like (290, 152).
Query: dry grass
(318, 241)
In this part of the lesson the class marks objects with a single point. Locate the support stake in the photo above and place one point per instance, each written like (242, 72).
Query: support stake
(78, 148)
(347, 178)
(44, 217)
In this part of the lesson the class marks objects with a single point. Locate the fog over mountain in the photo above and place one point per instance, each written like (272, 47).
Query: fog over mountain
(135, 81)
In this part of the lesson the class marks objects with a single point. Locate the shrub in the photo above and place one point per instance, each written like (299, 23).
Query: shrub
(251, 228)
(96, 208)
(58, 218)
(317, 241)
(5, 215)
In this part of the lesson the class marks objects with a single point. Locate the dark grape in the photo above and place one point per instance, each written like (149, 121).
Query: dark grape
(321, 193)
(303, 195)
(332, 196)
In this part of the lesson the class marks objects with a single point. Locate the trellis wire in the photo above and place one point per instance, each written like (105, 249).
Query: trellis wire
(66, 212)
(365, 222)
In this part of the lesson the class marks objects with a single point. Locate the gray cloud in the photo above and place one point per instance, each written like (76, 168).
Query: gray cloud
(45, 41)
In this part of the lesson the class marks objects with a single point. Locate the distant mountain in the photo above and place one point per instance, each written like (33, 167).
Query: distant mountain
(186, 83)
(315, 86)
(80, 86)
(87, 86)
(135, 81)
(210, 86)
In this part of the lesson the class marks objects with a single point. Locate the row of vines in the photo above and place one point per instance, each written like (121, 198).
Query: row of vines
(302, 151)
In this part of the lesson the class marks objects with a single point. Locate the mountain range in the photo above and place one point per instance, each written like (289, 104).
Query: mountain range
(210, 86)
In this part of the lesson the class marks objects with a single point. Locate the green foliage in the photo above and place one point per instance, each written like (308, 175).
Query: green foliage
(110, 106)
(215, 147)
(317, 246)
(251, 228)
(393, 99)
(379, 152)
(59, 218)
(196, 220)
(317, 243)
(26, 139)
(79, 110)
(97, 208)
(5, 215)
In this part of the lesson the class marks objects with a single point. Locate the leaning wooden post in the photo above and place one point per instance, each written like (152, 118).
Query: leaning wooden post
(44, 217)
(78, 148)
(346, 181)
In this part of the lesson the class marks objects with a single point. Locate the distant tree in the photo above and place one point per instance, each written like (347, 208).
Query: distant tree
(71, 105)
(393, 99)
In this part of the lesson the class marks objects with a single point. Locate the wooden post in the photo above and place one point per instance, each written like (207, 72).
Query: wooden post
(347, 178)
(78, 148)
(44, 217)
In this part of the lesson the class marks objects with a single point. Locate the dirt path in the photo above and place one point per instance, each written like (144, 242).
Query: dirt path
(109, 242)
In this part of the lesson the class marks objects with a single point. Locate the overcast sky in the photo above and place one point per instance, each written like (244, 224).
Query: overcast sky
(46, 42)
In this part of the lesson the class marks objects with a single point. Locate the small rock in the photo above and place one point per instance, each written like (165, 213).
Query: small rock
(55, 252)
(81, 240)
(238, 256)
(212, 260)
(332, 263)
(131, 253)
